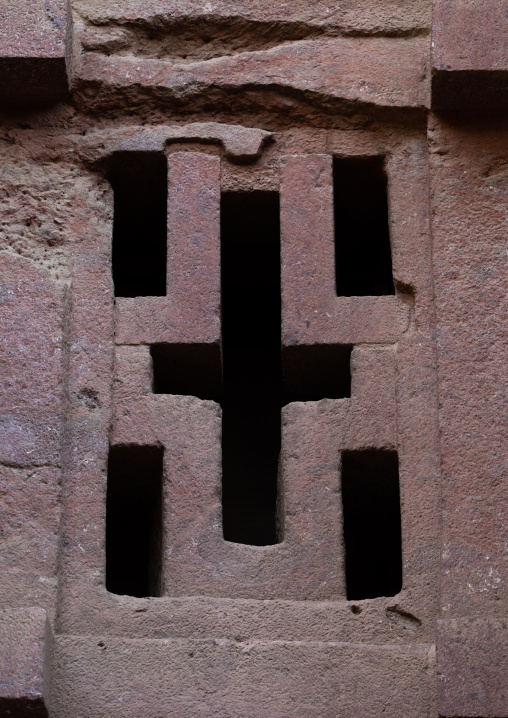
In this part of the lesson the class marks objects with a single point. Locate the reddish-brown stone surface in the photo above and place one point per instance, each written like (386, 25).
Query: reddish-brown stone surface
(22, 650)
(472, 656)
(243, 97)
(312, 312)
(339, 71)
(469, 184)
(30, 432)
(470, 35)
(470, 209)
(218, 677)
(470, 54)
(190, 312)
(35, 50)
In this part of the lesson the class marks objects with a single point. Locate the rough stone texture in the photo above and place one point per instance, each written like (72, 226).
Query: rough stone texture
(472, 658)
(189, 679)
(23, 633)
(241, 144)
(29, 516)
(245, 96)
(31, 365)
(386, 16)
(34, 51)
(470, 205)
(30, 432)
(309, 562)
(470, 54)
(335, 72)
(469, 180)
(392, 377)
(173, 53)
(190, 312)
(306, 565)
(312, 313)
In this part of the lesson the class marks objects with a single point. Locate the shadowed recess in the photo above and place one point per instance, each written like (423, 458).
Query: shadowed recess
(363, 261)
(252, 365)
(190, 369)
(195, 39)
(320, 371)
(255, 387)
(134, 520)
(372, 523)
(140, 186)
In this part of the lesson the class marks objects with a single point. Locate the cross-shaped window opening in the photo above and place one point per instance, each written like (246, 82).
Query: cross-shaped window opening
(252, 377)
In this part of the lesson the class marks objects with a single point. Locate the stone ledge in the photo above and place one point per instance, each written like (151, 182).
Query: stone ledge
(210, 678)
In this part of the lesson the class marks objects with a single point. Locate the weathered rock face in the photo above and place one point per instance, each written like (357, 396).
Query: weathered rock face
(35, 52)
(167, 546)
(470, 51)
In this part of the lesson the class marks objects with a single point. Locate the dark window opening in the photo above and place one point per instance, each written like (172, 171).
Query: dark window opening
(317, 372)
(134, 521)
(363, 261)
(252, 365)
(140, 186)
(192, 369)
(372, 523)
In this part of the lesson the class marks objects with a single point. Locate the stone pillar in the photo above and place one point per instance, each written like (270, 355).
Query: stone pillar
(469, 207)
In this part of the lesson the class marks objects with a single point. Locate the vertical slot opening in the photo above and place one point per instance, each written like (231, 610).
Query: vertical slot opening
(372, 523)
(140, 186)
(317, 372)
(363, 260)
(134, 520)
(190, 369)
(252, 366)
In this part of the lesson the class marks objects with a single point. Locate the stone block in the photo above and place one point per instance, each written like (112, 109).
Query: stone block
(29, 517)
(190, 312)
(216, 677)
(472, 665)
(31, 337)
(338, 71)
(469, 171)
(240, 144)
(133, 372)
(312, 313)
(30, 363)
(372, 417)
(255, 23)
(307, 564)
(22, 646)
(35, 51)
(470, 54)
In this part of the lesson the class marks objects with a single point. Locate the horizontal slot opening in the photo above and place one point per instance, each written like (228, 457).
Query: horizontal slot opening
(191, 369)
(140, 186)
(134, 520)
(372, 523)
(321, 371)
(363, 260)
